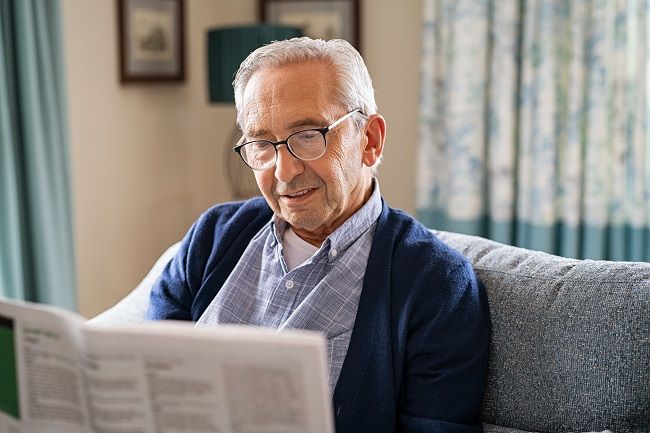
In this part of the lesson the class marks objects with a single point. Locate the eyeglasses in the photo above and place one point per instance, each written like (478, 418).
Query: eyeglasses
(306, 145)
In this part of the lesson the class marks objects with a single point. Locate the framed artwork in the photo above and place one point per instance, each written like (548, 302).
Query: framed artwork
(151, 40)
(322, 19)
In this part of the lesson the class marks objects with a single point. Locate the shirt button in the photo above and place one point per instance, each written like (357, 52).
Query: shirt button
(289, 284)
(334, 253)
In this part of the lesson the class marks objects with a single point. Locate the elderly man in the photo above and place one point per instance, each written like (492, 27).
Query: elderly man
(406, 322)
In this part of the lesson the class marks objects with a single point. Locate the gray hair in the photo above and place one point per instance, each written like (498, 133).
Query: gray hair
(354, 85)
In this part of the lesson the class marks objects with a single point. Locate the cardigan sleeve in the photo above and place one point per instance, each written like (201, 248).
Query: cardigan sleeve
(446, 360)
(211, 248)
(170, 296)
(175, 292)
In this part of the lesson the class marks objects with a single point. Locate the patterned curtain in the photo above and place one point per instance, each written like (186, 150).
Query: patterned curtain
(535, 124)
(36, 252)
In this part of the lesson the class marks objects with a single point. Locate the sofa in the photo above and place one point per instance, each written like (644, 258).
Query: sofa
(570, 348)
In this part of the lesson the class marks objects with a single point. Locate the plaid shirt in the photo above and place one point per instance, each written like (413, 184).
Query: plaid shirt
(320, 295)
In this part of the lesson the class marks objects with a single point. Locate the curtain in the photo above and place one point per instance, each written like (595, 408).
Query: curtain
(534, 124)
(36, 253)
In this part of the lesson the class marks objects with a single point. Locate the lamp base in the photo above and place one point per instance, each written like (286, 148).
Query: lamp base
(240, 178)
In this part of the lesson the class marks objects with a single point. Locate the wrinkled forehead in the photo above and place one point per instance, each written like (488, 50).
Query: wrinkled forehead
(274, 93)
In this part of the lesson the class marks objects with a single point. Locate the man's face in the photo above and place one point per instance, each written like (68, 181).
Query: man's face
(315, 197)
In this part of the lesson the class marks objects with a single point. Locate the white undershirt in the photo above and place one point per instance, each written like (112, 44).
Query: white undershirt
(296, 250)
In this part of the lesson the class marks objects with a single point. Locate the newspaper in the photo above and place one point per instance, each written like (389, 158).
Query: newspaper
(60, 374)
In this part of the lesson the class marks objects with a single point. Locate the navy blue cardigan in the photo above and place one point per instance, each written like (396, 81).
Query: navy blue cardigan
(417, 359)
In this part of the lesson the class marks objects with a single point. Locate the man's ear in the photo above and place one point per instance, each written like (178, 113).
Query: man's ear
(375, 132)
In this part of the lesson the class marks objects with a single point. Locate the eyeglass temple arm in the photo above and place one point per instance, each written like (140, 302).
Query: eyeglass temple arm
(343, 118)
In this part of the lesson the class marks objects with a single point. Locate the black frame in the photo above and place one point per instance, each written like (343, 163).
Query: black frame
(151, 71)
(269, 8)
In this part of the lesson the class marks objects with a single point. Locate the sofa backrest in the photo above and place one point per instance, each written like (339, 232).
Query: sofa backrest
(570, 344)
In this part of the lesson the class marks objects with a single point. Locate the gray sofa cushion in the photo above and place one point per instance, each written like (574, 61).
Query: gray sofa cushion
(571, 339)
(489, 428)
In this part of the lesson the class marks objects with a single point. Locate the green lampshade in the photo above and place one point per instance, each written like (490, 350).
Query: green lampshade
(228, 47)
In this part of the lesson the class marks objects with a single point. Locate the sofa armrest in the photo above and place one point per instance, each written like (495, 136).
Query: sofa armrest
(570, 344)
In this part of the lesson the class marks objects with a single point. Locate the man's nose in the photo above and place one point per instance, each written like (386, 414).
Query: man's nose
(287, 166)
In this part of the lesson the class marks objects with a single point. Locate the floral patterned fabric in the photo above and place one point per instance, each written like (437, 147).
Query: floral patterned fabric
(534, 124)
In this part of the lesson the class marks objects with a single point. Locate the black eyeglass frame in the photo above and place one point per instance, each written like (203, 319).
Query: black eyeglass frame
(276, 144)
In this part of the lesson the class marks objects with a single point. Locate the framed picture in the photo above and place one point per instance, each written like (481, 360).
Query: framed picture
(322, 19)
(151, 40)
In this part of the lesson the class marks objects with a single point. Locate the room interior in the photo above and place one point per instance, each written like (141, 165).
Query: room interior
(145, 159)
(569, 337)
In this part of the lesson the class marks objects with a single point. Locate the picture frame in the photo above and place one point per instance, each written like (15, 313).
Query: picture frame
(151, 40)
(322, 19)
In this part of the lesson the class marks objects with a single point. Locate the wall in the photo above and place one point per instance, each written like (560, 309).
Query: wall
(146, 159)
(391, 48)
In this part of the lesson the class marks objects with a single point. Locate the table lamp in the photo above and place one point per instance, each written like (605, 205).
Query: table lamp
(227, 48)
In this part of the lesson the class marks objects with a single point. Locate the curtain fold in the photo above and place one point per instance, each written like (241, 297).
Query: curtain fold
(534, 124)
(36, 248)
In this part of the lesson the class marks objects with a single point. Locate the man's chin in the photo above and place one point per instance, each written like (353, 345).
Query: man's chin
(303, 221)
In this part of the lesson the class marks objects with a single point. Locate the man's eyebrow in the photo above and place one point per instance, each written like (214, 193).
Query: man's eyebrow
(256, 132)
(306, 122)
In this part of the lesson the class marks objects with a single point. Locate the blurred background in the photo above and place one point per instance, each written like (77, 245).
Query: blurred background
(522, 121)
(145, 159)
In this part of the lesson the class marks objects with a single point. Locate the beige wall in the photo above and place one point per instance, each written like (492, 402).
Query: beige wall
(146, 159)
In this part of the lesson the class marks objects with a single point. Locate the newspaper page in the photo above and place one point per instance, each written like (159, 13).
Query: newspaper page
(170, 377)
(41, 380)
(61, 375)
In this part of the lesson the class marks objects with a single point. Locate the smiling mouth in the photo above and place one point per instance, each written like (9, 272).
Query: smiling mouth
(297, 196)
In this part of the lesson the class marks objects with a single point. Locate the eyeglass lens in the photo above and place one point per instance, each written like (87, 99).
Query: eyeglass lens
(305, 145)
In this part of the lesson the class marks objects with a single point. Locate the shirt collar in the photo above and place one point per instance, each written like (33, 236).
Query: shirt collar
(346, 234)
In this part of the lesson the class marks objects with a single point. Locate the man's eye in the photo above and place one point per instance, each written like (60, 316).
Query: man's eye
(258, 146)
(308, 135)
